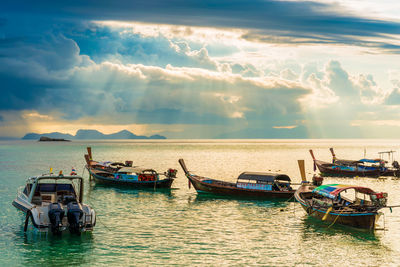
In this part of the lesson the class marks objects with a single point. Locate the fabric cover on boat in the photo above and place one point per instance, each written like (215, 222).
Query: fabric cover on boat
(333, 190)
(104, 163)
(134, 169)
(263, 176)
(370, 160)
(347, 162)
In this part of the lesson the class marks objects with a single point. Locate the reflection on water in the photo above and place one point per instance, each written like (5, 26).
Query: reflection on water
(342, 244)
(48, 250)
(314, 225)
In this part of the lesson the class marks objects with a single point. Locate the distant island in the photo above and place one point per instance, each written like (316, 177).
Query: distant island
(48, 139)
(90, 135)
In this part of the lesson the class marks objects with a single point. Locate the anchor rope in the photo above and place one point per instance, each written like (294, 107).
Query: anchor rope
(91, 204)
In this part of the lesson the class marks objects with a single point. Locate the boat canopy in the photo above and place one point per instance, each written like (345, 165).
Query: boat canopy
(135, 169)
(347, 162)
(263, 176)
(333, 190)
(104, 163)
(54, 177)
(371, 160)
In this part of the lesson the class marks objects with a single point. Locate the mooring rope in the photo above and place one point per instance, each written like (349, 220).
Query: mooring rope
(97, 217)
(336, 219)
(91, 204)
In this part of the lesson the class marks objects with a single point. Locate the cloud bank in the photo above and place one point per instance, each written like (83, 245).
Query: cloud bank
(228, 70)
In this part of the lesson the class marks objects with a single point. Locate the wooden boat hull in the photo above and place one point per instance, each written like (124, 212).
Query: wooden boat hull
(229, 189)
(163, 183)
(365, 220)
(394, 173)
(326, 169)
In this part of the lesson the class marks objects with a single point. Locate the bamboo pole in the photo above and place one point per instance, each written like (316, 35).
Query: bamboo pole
(302, 170)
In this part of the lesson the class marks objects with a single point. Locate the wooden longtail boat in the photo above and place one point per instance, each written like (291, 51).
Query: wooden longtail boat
(331, 203)
(125, 175)
(134, 177)
(248, 185)
(372, 164)
(344, 168)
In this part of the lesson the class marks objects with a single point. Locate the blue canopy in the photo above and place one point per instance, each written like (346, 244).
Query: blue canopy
(370, 160)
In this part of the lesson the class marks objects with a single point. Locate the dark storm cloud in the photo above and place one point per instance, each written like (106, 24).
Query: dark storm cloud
(268, 21)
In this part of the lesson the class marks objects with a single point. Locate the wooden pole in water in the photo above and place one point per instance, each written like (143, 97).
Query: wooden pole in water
(302, 170)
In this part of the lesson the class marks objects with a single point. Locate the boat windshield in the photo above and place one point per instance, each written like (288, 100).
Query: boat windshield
(55, 190)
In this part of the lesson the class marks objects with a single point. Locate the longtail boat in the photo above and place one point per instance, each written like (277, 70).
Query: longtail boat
(344, 168)
(124, 174)
(248, 185)
(350, 205)
(372, 164)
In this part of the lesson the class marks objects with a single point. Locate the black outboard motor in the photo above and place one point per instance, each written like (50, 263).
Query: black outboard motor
(56, 214)
(74, 215)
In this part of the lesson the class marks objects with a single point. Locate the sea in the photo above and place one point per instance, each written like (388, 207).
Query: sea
(178, 227)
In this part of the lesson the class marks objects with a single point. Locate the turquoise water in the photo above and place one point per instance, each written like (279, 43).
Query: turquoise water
(178, 227)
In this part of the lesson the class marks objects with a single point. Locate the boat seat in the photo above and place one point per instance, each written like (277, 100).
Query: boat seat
(321, 203)
(37, 200)
(48, 197)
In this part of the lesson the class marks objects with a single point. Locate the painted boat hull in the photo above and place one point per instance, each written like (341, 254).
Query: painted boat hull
(365, 220)
(229, 189)
(163, 183)
(330, 171)
(35, 222)
(394, 173)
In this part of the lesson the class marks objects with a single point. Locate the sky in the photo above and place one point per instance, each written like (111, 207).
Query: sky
(201, 69)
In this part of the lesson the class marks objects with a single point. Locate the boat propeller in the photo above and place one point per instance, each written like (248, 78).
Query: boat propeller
(56, 214)
(74, 215)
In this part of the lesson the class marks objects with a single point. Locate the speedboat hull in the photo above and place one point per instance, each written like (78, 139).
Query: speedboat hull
(38, 218)
(52, 204)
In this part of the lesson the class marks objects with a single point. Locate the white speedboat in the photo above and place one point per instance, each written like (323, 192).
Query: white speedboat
(53, 203)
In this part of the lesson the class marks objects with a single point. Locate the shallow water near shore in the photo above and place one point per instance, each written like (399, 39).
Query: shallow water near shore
(179, 227)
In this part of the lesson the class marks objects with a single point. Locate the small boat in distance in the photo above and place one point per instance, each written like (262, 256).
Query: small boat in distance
(53, 203)
(349, 205)
(248, 185)
(344, 168)
(371, 164)
(124, 174)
